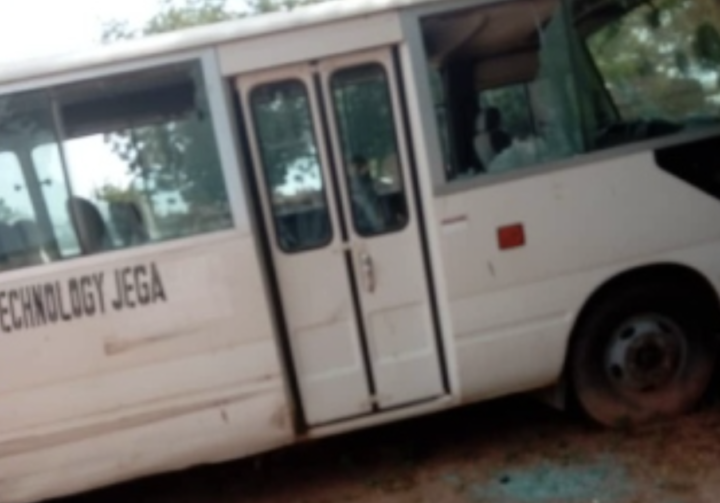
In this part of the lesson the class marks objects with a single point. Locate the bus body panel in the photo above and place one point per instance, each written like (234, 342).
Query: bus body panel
(512, 310)
(130, 391)
(320, 41)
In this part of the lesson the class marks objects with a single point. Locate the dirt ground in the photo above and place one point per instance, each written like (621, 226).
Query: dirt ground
(509, 451)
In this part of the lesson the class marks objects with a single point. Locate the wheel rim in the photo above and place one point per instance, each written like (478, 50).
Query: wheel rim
(645, 354)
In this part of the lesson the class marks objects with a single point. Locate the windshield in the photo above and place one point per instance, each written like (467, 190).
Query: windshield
(662, 60)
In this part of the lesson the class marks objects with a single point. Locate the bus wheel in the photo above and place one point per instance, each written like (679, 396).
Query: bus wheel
(642, 354)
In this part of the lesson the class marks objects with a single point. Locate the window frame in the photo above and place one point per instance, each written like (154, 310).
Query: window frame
(220, 106)
(217, 96)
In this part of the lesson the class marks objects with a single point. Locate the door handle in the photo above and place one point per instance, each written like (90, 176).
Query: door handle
(368, 271)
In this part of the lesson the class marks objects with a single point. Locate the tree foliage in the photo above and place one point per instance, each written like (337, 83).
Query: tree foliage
(172, 16)
(658, 53)
(181, 156)
(265, 6)
(113, 194)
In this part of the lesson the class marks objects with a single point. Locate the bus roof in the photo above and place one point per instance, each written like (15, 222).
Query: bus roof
(197, 38)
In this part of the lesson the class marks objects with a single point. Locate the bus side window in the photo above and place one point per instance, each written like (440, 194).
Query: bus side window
(142, 150)
(656, 64)
(15, 200)
(126, 160)
(22, 241)
(510, 97)
(568, 77)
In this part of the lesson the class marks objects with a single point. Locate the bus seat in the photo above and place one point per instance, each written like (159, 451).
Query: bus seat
(490, 139)
(129, 222)
(89, 225)
(32, 240)
(10, 247)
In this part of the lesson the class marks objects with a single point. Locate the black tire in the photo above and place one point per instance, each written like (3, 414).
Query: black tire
(641, 354)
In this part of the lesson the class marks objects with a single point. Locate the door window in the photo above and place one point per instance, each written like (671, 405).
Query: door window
(365, 124)
(291, 165)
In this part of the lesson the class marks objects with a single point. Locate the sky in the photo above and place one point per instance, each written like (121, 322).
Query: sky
(37, 28)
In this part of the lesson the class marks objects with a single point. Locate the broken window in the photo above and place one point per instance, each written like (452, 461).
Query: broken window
(523, 83)
(508, 92)
(659, 62)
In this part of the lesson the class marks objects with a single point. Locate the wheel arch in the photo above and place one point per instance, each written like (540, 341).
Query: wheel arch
(672, 272)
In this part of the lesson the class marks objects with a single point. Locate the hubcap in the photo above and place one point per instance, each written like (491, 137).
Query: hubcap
(645, 353)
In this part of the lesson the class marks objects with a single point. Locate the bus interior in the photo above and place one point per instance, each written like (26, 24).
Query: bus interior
(523, 83)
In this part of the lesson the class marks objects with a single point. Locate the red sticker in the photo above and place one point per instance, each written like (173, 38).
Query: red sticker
(511, 236)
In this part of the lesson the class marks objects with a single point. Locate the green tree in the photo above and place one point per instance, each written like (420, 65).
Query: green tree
(655, 53)
(265, 6)
(113, 194)
(172, 16)
(177, 157)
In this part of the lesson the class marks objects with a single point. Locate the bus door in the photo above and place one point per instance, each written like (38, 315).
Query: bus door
(332, 171)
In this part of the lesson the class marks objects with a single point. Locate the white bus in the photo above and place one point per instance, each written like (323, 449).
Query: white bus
(225, 240)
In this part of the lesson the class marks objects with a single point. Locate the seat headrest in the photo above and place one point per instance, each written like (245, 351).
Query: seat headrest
(88, 223)
(10, 243)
